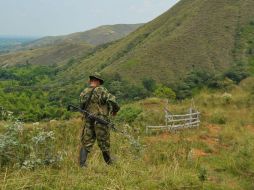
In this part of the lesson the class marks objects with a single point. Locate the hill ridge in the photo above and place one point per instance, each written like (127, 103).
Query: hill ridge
(61, 49)
(194, 34)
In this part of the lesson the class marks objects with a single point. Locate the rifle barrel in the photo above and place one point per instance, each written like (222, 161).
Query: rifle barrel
(93, 117)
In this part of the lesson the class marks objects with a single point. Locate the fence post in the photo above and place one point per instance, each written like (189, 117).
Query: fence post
(190, 122)
(166, 117)
(198, 119)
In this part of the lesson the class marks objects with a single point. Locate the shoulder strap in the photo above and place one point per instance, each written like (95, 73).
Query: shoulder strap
(89, 99)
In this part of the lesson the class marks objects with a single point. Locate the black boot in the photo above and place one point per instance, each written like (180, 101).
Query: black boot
(107, 158)
(83, 157)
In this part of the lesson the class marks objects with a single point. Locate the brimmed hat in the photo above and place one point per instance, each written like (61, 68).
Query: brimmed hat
(97, 76)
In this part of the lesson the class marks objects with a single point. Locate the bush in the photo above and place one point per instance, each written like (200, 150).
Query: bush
(134, 92)
(195, 80)
(124, 90)
(237, 73)
(183, 91)
(165, 92)
(149, 84)
(27, 149)
(227, 98)
(128, 114)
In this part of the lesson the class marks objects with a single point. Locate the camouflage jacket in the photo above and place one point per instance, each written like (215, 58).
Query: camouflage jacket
(102, 102)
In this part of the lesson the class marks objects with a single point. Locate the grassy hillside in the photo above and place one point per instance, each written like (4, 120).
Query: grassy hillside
(49, 55)
(61, 49)
(217, 155)
(96, 36)
(193, 35)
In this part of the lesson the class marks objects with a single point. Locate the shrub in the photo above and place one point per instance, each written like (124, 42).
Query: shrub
(149, 84)
(183, 91)
(128, 114)
(227, 84)
(27, 149)
(165, 92)
(227, 98)
(134, 92)
(116, 88)
(125, 90)
(237, 73)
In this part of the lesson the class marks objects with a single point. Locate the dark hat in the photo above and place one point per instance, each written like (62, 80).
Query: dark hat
(97, 76)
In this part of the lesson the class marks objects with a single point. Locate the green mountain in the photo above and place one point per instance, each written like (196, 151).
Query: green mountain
(96, 36)
(48, 55)
(62, 49)
(211, 36)
(197, 43)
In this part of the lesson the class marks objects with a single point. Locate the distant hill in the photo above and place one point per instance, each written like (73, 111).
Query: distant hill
(9, 42)
(194, 35)
(61, 49)
(48, 55)
(96, 36)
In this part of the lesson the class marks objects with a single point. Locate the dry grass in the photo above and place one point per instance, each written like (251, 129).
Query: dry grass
(214, 156)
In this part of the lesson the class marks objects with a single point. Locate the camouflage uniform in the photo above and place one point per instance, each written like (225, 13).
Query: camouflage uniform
(102, 104)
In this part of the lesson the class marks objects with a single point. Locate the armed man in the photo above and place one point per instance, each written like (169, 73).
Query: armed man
(100, 103)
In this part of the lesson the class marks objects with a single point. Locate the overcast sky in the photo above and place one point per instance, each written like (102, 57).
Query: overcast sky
(56, 17)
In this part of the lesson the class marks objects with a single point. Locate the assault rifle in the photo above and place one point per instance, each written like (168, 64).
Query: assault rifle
(92, 117)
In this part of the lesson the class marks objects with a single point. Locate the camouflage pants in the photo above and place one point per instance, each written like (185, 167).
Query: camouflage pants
(91, 132)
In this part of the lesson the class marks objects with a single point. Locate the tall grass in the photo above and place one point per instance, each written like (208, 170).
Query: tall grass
(217, 155)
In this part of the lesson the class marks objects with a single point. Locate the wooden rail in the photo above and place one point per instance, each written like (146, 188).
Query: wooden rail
(176, 122)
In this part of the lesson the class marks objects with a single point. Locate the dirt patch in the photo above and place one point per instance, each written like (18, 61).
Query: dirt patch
(214, 130)
(215, 179)
(209, 140)
(191, 139)
(146, 158)
(196, 153)
(250, 128)
(165, 136)
(212, 139)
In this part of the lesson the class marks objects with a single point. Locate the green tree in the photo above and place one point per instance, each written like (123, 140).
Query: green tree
(149, 84)
(237, 73)
(165, 92)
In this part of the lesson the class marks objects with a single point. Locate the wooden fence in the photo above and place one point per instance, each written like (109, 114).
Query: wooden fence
(176, 122)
